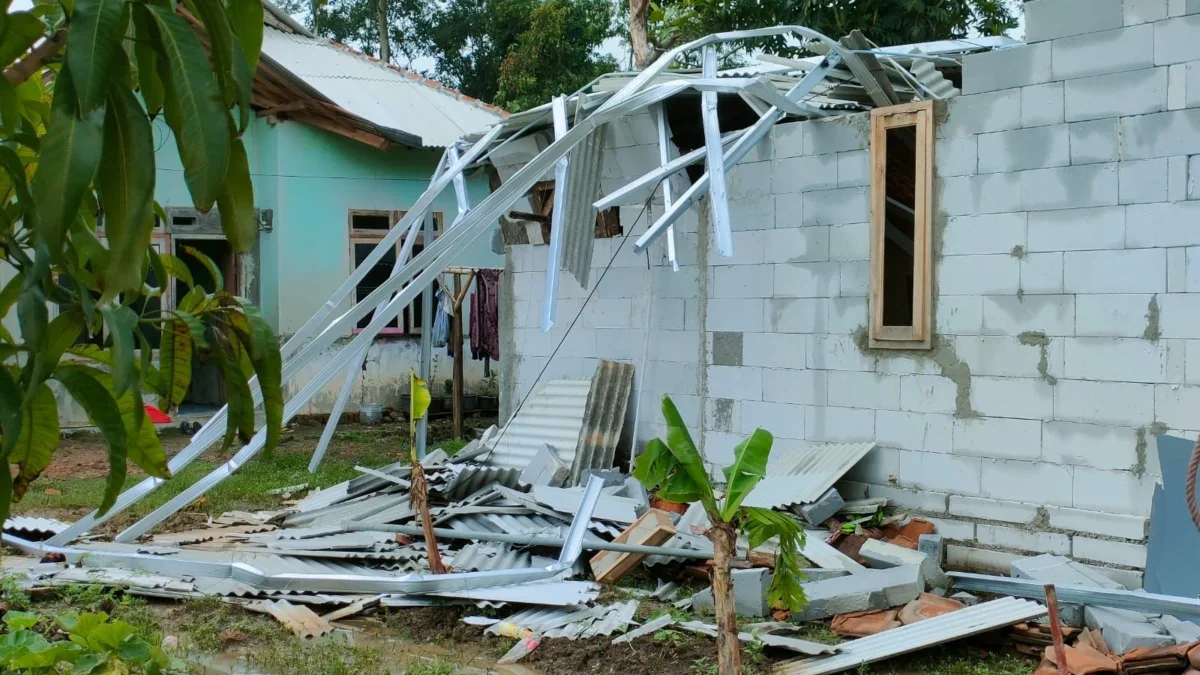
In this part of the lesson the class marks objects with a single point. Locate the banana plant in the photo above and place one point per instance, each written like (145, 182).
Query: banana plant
(676, 471)
(83, 83)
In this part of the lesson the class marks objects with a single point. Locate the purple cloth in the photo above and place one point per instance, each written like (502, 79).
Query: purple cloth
(485, 315)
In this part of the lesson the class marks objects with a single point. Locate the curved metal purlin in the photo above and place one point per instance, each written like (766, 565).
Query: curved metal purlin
(401, 288)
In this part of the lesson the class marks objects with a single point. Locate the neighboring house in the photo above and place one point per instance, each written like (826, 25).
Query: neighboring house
(1012, 323)
(340, 146)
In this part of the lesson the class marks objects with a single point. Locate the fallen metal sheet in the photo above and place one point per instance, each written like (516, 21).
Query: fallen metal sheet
(538, 621)
(759, 633)
(462, 480)
(324, 498)
(648, 628)
(964, 623)
(1138, 601)
(232, 532)
(617, 509)
(360, 509)
(111, 576)
(604, 415)
(584, 170)
(488, 557)
(802, 475)
(551, 593)
(299, 619)
(34, 529)
(553, 414)
(616, 619)
(508, 524)
(344, 541)
(1174, 543)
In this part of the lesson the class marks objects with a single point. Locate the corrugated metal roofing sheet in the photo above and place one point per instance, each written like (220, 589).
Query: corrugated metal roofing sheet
(386, 96)
(604, 416)
(488, 556)
(34, 529)
(554, 415)
(914, 637)
(584, 168)
(802, 475)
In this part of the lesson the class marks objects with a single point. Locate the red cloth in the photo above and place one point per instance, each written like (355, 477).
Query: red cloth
(485, 316)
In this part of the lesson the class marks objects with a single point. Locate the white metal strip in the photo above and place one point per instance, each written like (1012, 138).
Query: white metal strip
(664, 158)
(557, 221)
(718, 206)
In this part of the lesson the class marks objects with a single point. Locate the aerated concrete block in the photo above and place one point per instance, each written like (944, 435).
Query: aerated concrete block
(1123, 631)
(1184, 632)
(749, 594)
(876, 589)
(546, 468)
(965, 598)
(933, 546)
(882, 555)
(1056, 569)
(1050, 19)
(821, 510)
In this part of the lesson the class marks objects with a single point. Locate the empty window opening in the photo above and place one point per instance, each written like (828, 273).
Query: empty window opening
(902, 173)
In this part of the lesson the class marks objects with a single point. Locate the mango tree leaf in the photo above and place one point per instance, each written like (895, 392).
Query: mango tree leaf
(32, 315)
(39, 437)
(246, 17)
(69, 158)
(748, 468)
(150, 377)
(174, 364)
(10, 108)
(18, 32)
(237, 392)
(126, 183)
(149, 63)
(11, 163)
(213, 270)
(680, 443)
(61, 333)
(176, 268)
(229, 61)
(10, 410)
(258, 338)
(195, 108)
(195, 327)
(102, 410)
(10, 293)
(94, 34)
(236, 203)
(121, 322)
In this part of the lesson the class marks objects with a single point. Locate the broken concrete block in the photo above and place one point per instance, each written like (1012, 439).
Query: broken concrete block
(635, 490)
(546, 468)
(1123, 631)
(826, 506)
(965, 598)
(611, 477)
(1055, 569)
(874, 589)
(1184, 632)
(749, 594)
(821, 574)
(933, 546)
(882, 555)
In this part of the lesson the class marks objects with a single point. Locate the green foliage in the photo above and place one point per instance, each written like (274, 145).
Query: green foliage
(77, 210)
(885, 22)
(94, 644)
(677, 472)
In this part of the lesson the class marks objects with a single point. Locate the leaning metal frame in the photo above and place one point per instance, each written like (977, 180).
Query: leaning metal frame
(411, 277)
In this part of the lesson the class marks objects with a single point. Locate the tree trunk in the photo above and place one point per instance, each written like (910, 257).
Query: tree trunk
(385, 45)
(418, 499)
(729, 651)
(639, 39)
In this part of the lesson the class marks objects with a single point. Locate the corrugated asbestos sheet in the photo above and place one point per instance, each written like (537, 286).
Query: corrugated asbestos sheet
(604, 416)
(553, 415)
(932, 79)
(34, 529)
(488, 556)
(462, 480)
(360, 509)
(299, 619)
(386, 96)
(583, 189)
(508, 524)
(802, 475)
(917, 636)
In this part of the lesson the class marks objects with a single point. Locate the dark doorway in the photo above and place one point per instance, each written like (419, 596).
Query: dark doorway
(206, 393)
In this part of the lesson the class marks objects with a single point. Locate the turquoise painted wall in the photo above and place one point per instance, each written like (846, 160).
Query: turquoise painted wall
(311, 178)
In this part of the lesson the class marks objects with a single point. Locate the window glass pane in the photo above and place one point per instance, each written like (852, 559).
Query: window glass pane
(374, 278)
(899, 226)
(370, 221)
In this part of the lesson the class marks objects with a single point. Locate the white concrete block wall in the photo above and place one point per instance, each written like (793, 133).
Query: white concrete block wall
(1067, 280)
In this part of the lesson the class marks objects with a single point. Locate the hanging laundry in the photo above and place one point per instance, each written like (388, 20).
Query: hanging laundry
(485, 315)
(441, 321)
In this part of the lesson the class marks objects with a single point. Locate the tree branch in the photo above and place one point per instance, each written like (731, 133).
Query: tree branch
(37, 57)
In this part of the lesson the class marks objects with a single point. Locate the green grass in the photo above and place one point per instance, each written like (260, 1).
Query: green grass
(435, 667)
(246, 489)
(954, 660)
(211, 622)
(293, 657)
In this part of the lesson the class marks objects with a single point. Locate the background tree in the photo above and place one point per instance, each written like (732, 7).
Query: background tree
(557, 53)
(677, 472)
(885, 22)
(76, 151)
(357, 23)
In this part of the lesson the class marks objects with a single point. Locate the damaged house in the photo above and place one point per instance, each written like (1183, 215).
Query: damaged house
(995, 284)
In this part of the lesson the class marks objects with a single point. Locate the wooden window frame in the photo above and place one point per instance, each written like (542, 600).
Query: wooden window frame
(919, 335)
(407, 324)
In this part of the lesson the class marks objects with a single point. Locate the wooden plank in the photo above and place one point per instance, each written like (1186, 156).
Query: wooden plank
(878, 221)
(653, 528)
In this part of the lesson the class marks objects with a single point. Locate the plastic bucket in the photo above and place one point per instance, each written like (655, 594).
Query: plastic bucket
(372, 413)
